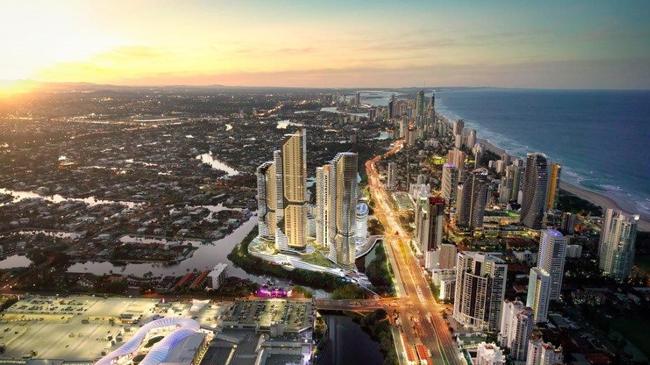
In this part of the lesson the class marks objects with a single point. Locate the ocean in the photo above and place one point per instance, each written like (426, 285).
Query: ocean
(600, 137)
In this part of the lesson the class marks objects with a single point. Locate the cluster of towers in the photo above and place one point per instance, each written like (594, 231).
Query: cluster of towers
(336, 207)
(479, 299)
(282, 194)
(414, 120)
(283, 202)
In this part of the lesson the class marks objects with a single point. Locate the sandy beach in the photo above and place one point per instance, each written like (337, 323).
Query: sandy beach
(604, 202)
(599, 199)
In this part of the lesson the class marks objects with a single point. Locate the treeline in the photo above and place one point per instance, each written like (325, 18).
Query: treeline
(379, 272)
(376, 324)
(568, 202)
(255, 265)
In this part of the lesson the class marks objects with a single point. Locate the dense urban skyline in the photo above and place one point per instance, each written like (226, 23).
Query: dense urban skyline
(324, 183)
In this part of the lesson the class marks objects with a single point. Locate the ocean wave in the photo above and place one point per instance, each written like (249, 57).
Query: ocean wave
(608, 187)
(585, 178)
(511, 146)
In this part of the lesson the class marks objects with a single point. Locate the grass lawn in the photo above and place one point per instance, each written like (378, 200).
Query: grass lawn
(318, 258)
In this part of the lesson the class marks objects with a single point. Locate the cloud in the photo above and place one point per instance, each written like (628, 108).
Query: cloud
(612, 74)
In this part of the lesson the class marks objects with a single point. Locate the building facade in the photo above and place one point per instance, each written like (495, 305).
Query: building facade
(541, 353)
(617, 244)
(345, 172)
(534, 191)
(539, 293)
(551, 258)
(449, 183)
(553, 186)
(471, 200)
(516, 328)
(294, 172)
(429, 223)
(480, 288)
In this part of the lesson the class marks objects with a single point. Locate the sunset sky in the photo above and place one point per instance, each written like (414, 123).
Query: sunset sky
(552, 44)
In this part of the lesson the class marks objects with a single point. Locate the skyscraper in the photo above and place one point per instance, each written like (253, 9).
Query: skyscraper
(471, 138)
(457, 158)
(361, 231)
(458, 126)
(403, 127)
(266, 199)
(541, 353)
(553, 186)
(323, 198)
(280, 237)
(617, 244)
(431, 111)
(480, 286)
(294, 170)
(419, 104)
(449, 183)
(391, 107)
(458, 141)
(410, 137)
(345, 172)
(534, 191)
(516, 328)
(539, 293)
(429, 223)
(551, 258)
(509, 187)
(471, 200)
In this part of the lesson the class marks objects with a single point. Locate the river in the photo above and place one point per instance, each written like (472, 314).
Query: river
(208, 159)
(205, 257)
(347, 344)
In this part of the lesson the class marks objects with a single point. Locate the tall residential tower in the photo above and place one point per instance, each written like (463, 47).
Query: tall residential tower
(480, 287)
(534, 191)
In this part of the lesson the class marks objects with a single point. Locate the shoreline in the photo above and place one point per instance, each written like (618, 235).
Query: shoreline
(604, 202)
(593, 197)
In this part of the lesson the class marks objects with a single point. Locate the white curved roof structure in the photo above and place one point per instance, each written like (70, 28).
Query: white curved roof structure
(132, 345)
(159, 351)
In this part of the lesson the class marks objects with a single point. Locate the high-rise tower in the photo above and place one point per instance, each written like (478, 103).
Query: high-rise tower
(534, 191)
(429, 223)
(515, 329)
(539, 293)
(617, 242)
(471, 200)
(449, 183)
(553, 186)
(323, 198)
(266, 199)
(419, 105)
(551, 258)
(345, 182)
(294, 172)
(480, 287)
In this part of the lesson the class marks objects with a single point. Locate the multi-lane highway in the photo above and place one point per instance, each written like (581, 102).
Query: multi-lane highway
(420, 315)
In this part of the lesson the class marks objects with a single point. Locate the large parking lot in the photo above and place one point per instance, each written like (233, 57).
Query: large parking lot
(82, 328)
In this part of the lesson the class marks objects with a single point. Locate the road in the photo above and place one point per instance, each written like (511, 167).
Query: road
(419, 313)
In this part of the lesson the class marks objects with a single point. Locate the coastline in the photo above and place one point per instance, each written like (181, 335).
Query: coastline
(604, 202)
(595, 198)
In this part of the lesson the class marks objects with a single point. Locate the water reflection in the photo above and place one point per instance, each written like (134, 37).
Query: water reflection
(57, 198)
(14, 262)
(207, 158)
(204, 258)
